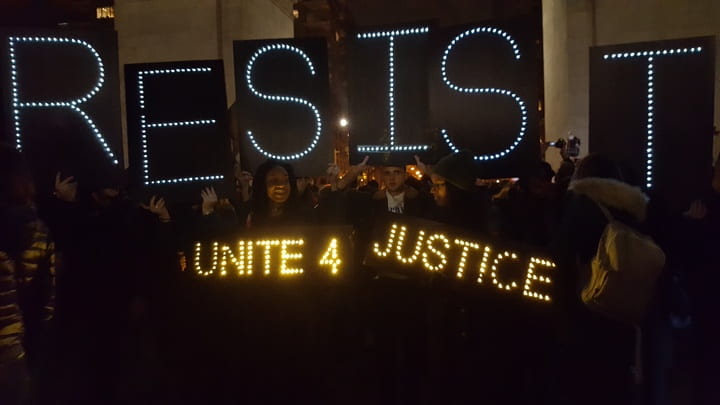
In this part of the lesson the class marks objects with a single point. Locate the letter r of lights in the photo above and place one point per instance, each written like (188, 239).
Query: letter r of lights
(18, 104)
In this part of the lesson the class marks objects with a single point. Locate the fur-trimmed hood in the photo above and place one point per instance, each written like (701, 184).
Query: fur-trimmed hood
(613, 194)
(410, 193)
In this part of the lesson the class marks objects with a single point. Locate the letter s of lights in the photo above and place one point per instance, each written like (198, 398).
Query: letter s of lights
(649, 56)
(490, 90)
(17, 104)
(144, 125)
(392, 147)
(316, 112)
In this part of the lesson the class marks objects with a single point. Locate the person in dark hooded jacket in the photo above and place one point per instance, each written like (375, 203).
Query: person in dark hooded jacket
(600, 351)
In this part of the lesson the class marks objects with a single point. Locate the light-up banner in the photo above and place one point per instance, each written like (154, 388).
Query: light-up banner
(60, 103)
(401, 248)
(483, 82)
(176, 124)
(651, 108)
(282, 97)
(315, 252)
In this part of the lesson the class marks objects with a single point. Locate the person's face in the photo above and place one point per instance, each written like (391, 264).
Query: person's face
(439, 190)
(278, 185)
(301, 184)
(394, 178)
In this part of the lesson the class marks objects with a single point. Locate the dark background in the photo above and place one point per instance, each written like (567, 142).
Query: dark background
(186, 151)
(683, 119)
(488, 123)
(283, 127)
(368, 94)
(59, 138)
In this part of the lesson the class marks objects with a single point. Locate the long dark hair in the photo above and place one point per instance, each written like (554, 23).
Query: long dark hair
(260, 203)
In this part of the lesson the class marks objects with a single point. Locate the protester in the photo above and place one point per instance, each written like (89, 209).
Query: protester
(528, 211)
(599, 352)
(458, 201)
(108, 246)
(702, 238)
(27, 268)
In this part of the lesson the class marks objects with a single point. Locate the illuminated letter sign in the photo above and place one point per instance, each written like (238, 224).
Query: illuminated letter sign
(175, 122)
(487, 90)
(392, 145)
(282, 91)
(651, 102)
(60, 102)
(483, 94)
(287, 99)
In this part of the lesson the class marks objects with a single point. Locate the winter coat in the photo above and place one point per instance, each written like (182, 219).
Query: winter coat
(600, 351)
(11, 323)
(27, 283)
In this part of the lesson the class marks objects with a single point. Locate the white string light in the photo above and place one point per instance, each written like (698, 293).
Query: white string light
(316, 112)
(392, 147)
(650, 56)
(71, 104)
(144, 125)
(485, 90)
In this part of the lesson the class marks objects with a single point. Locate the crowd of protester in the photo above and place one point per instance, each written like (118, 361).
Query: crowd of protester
(85, 270)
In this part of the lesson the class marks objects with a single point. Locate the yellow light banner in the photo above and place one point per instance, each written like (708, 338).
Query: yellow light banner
(399, 247)
(285, 253)
(406, 246)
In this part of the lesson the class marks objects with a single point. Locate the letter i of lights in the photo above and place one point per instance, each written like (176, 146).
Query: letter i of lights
(392, 147)
(650, 57)
(253, 90)
(485, 90)
(17, 104)
(144, 125)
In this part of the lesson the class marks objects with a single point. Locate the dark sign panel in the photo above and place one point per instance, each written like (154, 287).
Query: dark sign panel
(282, 98)
(484, 94)
(176, 124)
(388, 95)
(652, 104)
(60, 102)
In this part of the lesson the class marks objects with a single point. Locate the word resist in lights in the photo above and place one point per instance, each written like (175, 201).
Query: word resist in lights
(436, 252)
(144, 125)
(278, 256)
(17, 104)
(485, 90)
(288, 99)
(392, 147)
(650, 57)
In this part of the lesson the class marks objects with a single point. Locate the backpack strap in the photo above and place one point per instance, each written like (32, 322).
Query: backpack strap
(605, 212)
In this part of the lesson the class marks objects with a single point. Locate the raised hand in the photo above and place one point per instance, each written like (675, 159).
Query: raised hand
(361, 166)
(157, 206)
(245, 181)
(209, 200)
(333, 171)
(65, 189)
(697, 210)
(421, 166)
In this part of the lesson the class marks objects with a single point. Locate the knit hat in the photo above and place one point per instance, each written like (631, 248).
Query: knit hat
(458, 169)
